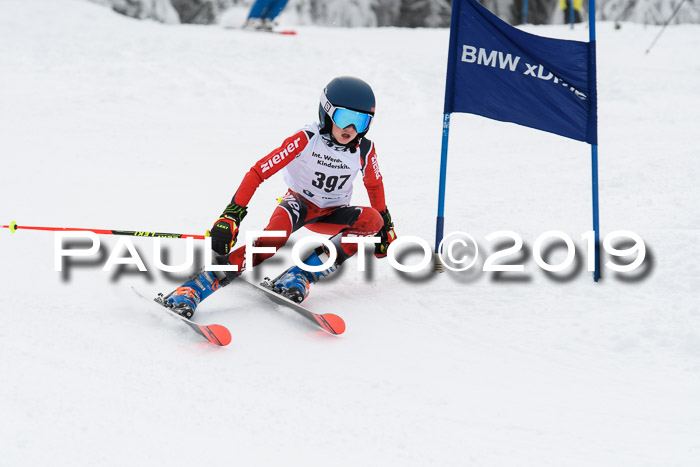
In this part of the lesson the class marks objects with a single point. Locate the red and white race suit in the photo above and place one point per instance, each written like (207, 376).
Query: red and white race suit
(317, 169)
(320, 177)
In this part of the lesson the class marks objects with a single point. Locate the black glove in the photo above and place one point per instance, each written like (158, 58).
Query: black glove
(225, 230)
(387, 235)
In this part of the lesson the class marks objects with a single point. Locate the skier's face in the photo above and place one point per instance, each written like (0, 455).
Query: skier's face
(344, 135)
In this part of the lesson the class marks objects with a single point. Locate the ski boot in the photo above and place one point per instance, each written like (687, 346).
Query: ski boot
(184, 299)
(253, 24)
(294, 283)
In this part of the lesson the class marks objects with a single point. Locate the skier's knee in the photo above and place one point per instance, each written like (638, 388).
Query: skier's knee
(371, 220)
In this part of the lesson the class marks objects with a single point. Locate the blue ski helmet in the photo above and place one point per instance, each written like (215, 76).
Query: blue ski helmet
(342, 94)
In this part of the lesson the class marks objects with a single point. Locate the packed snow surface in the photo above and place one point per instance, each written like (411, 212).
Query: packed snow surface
(112, 123)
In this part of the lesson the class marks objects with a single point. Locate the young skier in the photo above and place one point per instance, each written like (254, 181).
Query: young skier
(319, 164)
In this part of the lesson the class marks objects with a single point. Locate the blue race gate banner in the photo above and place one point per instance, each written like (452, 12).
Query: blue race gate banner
(500, 72)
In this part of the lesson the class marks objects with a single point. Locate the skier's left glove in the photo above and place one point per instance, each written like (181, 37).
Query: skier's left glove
(387, 235)
(224, 233)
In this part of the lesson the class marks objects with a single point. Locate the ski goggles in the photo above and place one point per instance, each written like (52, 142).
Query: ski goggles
(345, 117)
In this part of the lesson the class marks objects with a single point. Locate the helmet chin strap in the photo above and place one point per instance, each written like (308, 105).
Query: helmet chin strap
(351, 145)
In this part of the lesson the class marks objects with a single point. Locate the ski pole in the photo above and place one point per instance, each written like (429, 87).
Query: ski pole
(673, 15)
(134, 233)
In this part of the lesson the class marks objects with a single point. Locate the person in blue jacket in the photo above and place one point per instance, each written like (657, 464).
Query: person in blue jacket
(263, 13)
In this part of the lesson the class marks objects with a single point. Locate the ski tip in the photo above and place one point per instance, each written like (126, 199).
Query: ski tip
(217, 334)
(331, 323)
(287, 33)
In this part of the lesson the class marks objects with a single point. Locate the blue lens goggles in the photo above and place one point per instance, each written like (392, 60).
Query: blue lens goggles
(343, 117)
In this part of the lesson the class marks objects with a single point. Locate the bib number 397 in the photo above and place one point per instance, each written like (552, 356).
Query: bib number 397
(329, 184)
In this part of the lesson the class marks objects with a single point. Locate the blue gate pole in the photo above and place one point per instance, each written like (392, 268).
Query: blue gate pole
(525, 12)
(596, 214)
(440, 223)
(571, 13)
(594, 162)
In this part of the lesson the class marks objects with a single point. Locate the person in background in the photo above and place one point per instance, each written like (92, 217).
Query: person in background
(565, 5)
(263, 13)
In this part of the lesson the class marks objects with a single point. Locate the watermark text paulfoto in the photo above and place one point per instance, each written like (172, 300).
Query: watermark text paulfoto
(458, 251)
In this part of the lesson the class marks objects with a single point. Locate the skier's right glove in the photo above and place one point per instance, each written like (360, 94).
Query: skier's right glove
(387, 235)
(224, 233)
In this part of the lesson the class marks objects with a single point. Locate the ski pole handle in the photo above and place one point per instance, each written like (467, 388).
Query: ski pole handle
(133, 233)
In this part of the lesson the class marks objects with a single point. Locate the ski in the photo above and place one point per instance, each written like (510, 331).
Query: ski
(214, 333)
(332, 324)
(284, 32)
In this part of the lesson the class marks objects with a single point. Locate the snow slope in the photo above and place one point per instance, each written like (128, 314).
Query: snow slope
(108, 122)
